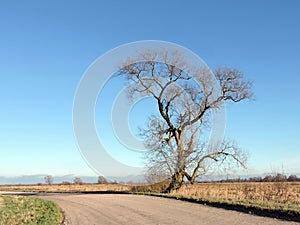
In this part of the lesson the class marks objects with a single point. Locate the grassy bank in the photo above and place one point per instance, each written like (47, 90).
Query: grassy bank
(280, 192)
(273, 199)
(17, 210)
(271, 209)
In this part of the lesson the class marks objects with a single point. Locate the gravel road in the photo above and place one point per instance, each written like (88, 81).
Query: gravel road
(106, 209)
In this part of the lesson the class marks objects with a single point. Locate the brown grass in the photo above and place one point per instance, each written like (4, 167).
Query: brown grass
(276, 200)
(66, 188)
(281, 192)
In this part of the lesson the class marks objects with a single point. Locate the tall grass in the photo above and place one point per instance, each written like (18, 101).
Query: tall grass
(281, 192)
(66, 187)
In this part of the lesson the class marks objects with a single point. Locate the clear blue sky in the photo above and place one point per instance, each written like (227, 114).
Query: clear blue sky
(45, 47)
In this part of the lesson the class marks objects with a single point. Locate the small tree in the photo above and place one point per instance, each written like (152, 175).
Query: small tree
(48, 180)
(293, 178)
(280, 177)
(174, 135)
(78, 180)
(102, 180)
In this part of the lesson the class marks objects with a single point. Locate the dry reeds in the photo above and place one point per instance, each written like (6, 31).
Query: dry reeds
(67, 187)
(281, 192)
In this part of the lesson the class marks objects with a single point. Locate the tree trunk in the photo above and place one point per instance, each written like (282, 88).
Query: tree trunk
(176, 182)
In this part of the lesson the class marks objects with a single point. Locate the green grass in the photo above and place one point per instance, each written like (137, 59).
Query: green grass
(19, 210)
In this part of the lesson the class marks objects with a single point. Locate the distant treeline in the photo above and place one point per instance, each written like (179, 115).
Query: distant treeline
(268, 178)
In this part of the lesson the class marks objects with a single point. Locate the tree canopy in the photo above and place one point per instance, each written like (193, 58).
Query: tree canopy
(174, 137)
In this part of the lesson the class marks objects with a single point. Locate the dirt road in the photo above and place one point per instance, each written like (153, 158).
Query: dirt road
(106, 209)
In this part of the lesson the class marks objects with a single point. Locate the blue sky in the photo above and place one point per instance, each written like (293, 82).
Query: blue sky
(45, 47)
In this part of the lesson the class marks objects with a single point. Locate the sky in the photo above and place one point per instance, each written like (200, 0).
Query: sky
(46, 46)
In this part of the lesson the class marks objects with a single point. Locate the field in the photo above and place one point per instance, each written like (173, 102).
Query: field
(275, 199)
(66, 188)
(16, 210)
(283, 192)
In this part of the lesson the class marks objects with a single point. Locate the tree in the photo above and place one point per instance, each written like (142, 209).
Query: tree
(173, 137)
(293, 178)
(280, 177)
(48, 179)
(77, 180)
(102, 180)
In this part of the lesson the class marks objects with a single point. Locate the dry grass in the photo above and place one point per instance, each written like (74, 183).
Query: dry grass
(273, 199)
(281, 192)
(276, 200)
(66, 188)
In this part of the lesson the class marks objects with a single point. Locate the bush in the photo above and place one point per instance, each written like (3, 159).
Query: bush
(65, 183)
(156, 188)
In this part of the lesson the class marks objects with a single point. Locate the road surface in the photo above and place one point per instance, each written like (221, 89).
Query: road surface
(117, 209)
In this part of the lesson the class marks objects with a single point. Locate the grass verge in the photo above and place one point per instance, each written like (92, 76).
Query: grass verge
(17, 210)
(277, 210)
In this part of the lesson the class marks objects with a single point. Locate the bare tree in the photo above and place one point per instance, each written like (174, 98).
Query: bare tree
(175, 135)
(48, 179)
(102, 180)
(78, 180)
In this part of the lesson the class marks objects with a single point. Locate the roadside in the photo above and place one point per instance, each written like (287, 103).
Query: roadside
(17, 210)
(254, 208)
(1, 201)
